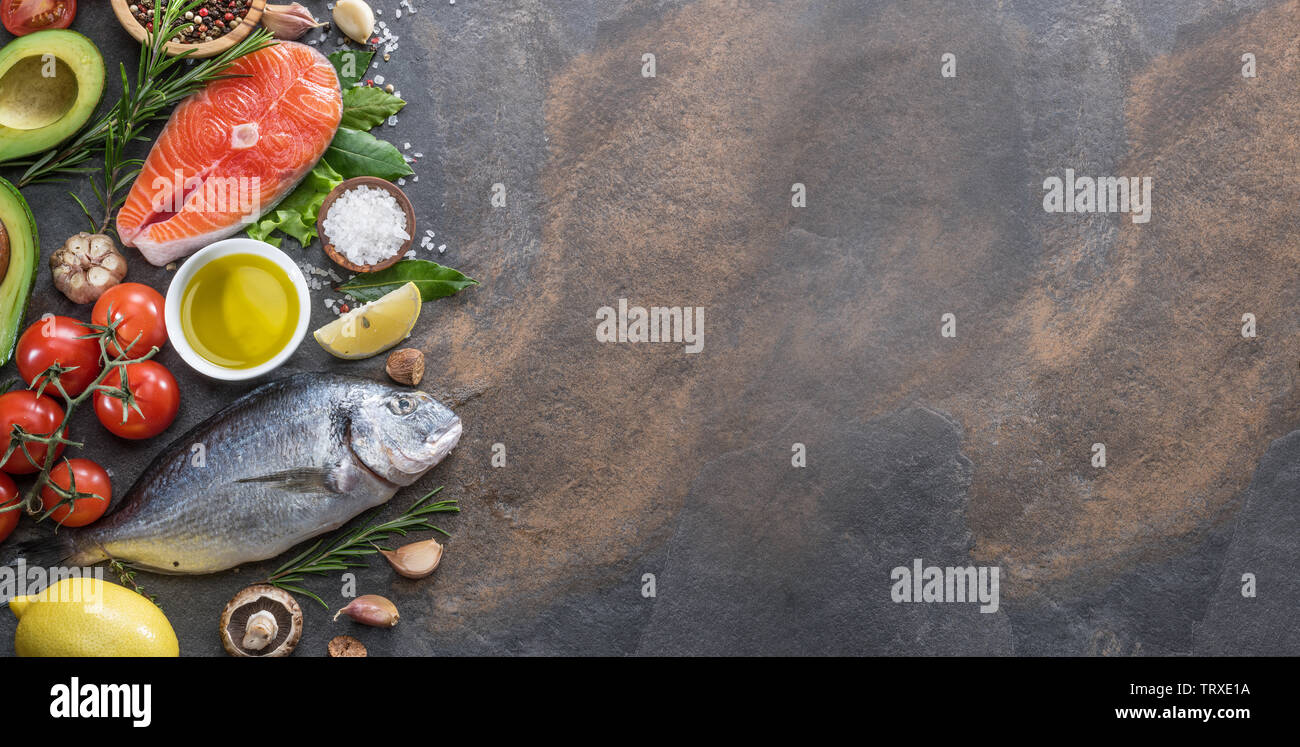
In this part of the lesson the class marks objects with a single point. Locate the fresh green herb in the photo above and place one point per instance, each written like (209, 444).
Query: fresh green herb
(433, 280)
(160, 83)
(126, 575)
(355, 153)
(366, 107)
(351, 66)
(296, 214)
(352, 152)
(343, 553)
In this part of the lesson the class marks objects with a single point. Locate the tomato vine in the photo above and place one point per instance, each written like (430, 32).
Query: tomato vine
(20, 438)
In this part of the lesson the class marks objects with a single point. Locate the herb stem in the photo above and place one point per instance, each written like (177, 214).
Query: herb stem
(340, 554)
(160, 83)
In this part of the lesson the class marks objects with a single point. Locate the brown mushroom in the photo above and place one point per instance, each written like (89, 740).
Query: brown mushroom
(345, 646)
(261, 620)
(86, 266)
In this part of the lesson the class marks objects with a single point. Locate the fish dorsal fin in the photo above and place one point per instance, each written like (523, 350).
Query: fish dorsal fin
(300, 480)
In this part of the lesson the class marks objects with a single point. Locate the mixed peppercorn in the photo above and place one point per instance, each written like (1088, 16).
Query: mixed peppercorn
(211, 19)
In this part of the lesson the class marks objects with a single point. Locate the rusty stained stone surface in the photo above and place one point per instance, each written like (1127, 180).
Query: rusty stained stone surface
(821, 327)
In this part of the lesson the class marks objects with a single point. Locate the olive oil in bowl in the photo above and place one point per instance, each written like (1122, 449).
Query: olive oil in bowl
(239, 311)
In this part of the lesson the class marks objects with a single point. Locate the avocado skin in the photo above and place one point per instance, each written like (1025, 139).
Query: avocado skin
(83, 57)
(24, 250)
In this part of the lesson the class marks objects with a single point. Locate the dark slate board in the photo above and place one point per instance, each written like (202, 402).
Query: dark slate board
(822, 328)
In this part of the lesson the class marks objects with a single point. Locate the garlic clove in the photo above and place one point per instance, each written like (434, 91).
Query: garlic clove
(354, 18)
(289, 22)
(415, 560)
(372, 610)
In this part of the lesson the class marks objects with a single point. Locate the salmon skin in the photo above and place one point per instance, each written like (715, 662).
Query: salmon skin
(288, 461)
(231, 151)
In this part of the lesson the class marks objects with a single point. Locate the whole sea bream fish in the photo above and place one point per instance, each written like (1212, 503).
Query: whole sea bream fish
(288, 461)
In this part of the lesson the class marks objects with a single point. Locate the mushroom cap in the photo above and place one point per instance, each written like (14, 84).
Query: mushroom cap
(345, 646)
(254, 599)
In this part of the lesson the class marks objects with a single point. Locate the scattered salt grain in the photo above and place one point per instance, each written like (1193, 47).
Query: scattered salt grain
(366, 225)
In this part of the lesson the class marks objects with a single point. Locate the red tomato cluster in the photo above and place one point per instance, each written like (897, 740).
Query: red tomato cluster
(61, 356)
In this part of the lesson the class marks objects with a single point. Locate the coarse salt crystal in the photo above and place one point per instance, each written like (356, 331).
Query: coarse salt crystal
(366, 225)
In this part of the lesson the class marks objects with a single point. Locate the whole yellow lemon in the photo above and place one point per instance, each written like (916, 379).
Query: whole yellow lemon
(91, 617)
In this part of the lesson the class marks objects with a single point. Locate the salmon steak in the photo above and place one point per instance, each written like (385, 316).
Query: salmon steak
(231, 151)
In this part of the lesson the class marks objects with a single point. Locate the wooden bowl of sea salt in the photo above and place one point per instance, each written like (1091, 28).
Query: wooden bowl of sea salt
(362, 223)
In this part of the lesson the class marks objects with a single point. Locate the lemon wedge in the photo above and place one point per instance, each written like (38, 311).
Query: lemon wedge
(374, 327)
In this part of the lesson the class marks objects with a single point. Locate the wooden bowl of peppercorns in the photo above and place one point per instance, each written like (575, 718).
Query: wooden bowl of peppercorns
(218, 24)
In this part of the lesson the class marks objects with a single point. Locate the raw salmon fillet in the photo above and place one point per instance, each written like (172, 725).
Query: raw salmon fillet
(231, 151)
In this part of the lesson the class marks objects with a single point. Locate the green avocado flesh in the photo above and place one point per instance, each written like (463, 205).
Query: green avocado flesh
(18, 253)
(50, 84)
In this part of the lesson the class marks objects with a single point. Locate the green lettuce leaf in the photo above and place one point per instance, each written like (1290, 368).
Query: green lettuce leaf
(296, 214)
(433, 280)
(365, 107)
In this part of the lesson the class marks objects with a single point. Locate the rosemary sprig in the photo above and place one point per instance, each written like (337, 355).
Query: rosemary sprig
(126, 575)
(342, 553)
(160, 83)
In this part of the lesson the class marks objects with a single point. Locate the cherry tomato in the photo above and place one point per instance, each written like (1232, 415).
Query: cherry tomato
(8, 497)
(89, 478)
(36, 415)
(153, 388)
(55, 340)
(23, 17)
(141, 310)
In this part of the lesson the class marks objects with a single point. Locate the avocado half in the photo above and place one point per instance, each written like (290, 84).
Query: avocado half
(50, 84)
(19, 250)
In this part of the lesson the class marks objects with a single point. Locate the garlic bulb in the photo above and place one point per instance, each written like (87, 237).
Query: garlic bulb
(356, 19)
(86, 266)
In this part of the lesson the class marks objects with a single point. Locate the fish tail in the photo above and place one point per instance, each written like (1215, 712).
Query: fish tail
(45, 551)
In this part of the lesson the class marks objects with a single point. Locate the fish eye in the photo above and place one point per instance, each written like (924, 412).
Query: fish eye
(401, 405)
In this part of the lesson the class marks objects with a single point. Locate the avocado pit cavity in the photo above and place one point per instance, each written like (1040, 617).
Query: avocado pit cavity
(36, 93)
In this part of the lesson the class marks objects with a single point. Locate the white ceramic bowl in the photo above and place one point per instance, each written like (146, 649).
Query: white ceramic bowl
(225, 248)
